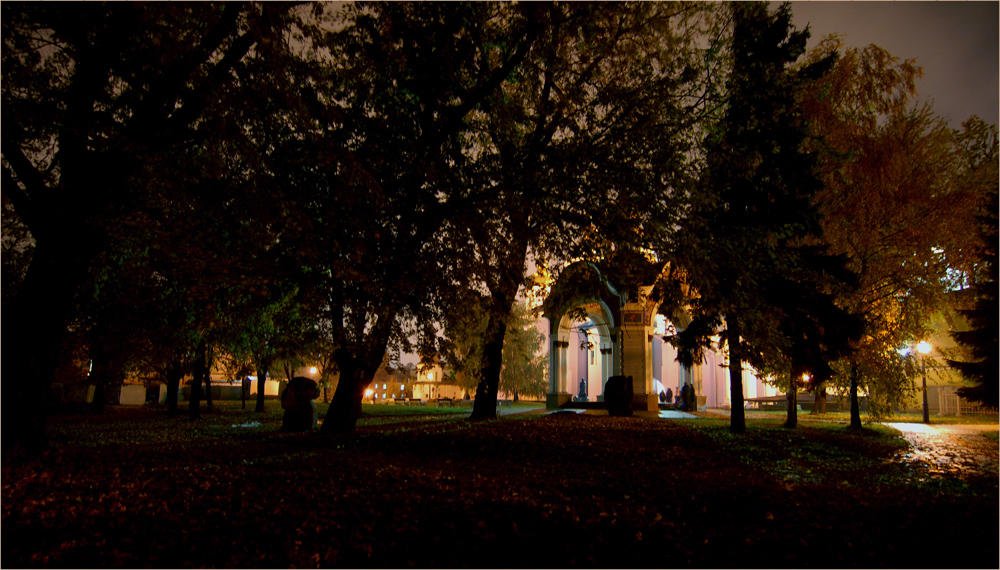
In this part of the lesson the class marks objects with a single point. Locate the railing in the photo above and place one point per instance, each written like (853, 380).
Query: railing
(953, 405)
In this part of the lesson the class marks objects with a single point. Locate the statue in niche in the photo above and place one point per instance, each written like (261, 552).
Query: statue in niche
(583, 390)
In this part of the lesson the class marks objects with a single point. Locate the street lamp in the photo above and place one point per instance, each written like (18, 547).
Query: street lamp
(924, 348)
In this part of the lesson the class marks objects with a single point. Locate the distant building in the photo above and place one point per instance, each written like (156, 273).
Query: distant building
(431, 384)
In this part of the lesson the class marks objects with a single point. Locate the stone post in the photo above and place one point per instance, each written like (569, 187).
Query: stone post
(558, 394)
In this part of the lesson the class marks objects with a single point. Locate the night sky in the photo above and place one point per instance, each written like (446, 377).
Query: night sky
(956, 43)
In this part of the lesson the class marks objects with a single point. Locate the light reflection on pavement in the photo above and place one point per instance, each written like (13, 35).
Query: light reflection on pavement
(950, 449)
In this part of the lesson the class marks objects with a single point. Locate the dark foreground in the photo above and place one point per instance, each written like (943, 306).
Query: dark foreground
(134, 489)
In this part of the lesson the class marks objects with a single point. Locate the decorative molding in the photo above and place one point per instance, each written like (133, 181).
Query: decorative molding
(634, 317)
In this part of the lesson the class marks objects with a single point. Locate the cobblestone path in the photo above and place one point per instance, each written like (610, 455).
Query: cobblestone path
(956, 450)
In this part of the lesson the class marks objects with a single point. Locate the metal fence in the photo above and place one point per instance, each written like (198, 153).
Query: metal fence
(952, 405)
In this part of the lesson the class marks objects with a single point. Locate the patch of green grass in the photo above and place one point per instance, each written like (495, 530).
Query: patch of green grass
(947, 420)
(382, 410)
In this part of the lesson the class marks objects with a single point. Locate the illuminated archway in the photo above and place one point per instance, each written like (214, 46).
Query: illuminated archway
(582, 297)
(621, 329)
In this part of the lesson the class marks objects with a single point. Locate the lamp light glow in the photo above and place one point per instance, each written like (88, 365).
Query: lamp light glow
(924, 347)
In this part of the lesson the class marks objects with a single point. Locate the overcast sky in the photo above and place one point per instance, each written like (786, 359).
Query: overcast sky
(956, 44)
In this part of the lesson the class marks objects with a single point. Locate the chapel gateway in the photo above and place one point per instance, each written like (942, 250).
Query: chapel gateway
(624, 337)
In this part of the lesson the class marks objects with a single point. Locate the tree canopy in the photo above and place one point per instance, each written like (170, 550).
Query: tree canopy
(900, 192)
(356, 180)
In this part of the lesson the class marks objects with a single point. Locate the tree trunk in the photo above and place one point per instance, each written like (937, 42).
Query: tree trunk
(737, 419)
(357, 362)
(244, 391)
(174, 374)
(99, 371)
(503, 294)
(819, 407)
(485, 405)
(356, 375)
(792, 418)
(39, 314)
(206, 357)
(194, 405)
(100, 396)
(855, 407)
(261, 379)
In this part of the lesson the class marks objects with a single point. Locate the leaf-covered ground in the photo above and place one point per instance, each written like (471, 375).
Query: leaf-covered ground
(133, 488)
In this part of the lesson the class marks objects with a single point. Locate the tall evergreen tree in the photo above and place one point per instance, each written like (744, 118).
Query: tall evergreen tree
(755, 201)
(983, 339)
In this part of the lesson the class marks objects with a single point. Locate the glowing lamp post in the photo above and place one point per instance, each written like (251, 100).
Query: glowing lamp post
(924, 348)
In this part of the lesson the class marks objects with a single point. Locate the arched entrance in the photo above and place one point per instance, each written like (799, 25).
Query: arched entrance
(596, 332)
(584, 354)
(584, 311)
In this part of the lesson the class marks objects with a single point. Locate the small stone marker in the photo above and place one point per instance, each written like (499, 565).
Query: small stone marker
(297, 401)
(618, 396)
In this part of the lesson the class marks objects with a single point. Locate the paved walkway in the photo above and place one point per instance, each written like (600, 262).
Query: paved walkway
(943, 449)
(951, 449)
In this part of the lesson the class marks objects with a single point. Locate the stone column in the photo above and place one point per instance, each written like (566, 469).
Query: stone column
(606, 365)
(557, 376)
(553, 366)
(638, 352)
(616, 352)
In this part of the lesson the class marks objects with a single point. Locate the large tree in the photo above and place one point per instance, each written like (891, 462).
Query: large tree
(896, 203)
(396, 83)
(591, 136)
(94, 94)
(525, 368)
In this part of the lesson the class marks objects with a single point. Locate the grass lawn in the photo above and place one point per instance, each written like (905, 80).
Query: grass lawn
(425, 487)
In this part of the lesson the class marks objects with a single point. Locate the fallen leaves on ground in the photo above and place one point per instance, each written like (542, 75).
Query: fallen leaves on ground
(135, 489)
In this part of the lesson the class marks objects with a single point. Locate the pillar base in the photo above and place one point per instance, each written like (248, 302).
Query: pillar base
(646, 403)
(555, 401)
